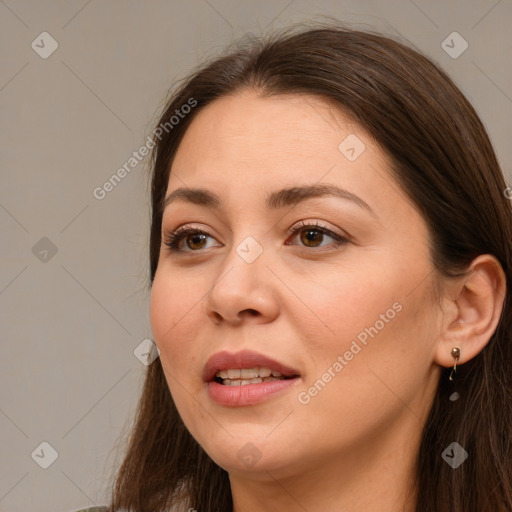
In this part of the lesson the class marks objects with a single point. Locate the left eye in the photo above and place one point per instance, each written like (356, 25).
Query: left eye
(312, 235)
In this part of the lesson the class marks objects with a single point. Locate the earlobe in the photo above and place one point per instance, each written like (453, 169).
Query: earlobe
(475, 311)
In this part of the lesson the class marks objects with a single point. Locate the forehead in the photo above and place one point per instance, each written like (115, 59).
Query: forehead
(245, 146)
(266, 136)
(239, 125)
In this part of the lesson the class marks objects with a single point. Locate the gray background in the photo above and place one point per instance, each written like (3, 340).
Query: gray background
(72, 320)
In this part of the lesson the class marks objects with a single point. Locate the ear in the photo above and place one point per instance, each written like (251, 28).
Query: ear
(472, 307)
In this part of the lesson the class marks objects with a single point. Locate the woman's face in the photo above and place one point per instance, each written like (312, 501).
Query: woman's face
(336, 289)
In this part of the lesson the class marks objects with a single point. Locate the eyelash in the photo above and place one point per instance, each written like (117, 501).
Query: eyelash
(173, 238)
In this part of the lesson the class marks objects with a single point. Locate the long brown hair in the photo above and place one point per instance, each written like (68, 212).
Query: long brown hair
(444, 161)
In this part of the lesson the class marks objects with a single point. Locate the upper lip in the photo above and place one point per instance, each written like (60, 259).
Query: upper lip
(244, 359)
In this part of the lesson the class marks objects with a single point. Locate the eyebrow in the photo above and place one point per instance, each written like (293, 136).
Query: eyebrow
(278, 199)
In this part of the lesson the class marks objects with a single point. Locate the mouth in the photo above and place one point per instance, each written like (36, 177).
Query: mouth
(244, 368)
(247, 378)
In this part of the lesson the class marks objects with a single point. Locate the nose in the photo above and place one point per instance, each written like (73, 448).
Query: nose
(242, 291)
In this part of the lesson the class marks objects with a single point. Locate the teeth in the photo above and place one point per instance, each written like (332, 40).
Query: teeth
(247, 373)
(244, 382)
(265, 372)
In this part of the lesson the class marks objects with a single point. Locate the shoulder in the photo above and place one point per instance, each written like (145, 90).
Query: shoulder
(94, 509)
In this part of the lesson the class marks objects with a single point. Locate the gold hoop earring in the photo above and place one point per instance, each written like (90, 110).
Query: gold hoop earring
(456, 356)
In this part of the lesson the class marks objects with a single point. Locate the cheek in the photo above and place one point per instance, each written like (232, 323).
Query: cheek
(356, 389)
(340, 304)
(174, 310)
(370, 320)
(175, 324)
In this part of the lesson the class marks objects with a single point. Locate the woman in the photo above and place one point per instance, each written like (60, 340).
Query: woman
(330, 254)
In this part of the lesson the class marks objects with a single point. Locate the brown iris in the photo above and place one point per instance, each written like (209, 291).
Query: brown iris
(311, 235)
(198, 238)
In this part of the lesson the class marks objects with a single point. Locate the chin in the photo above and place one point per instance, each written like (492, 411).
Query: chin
(240, 454)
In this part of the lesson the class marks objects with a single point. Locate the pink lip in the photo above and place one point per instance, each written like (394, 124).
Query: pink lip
(243, 359)
(251, 393)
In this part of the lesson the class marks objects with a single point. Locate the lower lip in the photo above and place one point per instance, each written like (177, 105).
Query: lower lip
(249, 394)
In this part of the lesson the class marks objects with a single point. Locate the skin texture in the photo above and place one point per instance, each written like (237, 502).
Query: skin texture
(352, 446)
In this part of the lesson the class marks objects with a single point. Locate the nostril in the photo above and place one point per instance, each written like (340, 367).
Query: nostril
(218, 317)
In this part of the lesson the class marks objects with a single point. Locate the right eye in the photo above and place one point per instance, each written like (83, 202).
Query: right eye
(194, 239)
